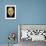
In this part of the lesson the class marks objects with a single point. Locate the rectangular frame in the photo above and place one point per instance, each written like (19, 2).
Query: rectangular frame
(6, 11)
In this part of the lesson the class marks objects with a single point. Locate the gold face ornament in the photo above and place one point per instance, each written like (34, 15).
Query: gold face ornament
(10, 11)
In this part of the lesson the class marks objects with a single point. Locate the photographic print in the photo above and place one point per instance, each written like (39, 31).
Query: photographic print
(10, 12)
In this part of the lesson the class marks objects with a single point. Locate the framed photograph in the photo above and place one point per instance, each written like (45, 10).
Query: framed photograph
(10, 12)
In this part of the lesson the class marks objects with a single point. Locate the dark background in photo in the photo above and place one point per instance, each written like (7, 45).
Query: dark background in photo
(8, 16)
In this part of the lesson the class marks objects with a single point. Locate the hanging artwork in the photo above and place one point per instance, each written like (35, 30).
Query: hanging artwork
(10, 12)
